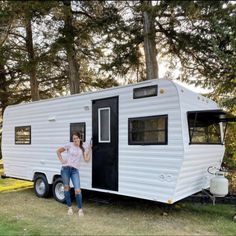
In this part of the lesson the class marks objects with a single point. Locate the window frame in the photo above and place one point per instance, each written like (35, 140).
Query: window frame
(80, 123)
(130, 142)
(194, 127)
(99, 125)
(145, 87)
(30, 136)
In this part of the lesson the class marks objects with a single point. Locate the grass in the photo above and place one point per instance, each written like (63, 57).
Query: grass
(22, 213)
(14, 227)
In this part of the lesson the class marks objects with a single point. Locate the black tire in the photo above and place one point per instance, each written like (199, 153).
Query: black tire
(41, 186)
(58, 190)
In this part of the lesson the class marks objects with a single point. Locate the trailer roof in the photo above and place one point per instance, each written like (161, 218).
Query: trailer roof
(96, 91)
(154, 81)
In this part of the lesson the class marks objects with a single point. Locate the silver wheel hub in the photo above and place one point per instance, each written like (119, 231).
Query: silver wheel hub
(40, 187)
(59, 191)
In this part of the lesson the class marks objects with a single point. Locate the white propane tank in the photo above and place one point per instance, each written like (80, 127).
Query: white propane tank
(219, 185)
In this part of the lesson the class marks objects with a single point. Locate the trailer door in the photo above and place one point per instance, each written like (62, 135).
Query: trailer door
(105, 143)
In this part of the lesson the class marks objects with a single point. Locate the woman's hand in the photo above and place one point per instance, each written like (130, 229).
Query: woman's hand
(59, 151)
(87, 154)
(63, 162)
(86, 157)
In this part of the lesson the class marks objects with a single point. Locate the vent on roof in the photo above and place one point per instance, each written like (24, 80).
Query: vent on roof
(143, 92)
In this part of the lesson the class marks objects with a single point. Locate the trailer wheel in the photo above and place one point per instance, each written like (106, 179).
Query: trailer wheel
(41, 186)
(58, 190)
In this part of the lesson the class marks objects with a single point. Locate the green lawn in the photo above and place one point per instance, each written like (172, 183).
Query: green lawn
(22, 213)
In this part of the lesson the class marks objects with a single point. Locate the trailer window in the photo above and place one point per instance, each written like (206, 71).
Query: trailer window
(203, 129)
(143, 92)
(23, 135)
(80, 128)
(148, 130)
(104, 125)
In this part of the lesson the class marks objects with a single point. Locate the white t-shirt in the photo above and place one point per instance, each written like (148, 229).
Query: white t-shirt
(74, 154)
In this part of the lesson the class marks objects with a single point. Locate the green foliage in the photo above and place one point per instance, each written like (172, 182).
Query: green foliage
(1, 146)
(229, 161)
(230, 151)
(109, 36)
(207, 50)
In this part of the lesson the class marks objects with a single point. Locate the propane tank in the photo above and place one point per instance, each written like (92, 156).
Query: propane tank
(219, 184)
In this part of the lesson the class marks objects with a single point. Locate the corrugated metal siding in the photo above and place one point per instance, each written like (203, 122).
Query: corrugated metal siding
(193, 175)
(148, 172)
(46, 136)
(142, 166)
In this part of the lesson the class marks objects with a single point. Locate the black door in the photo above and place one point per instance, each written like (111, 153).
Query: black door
(105, 144)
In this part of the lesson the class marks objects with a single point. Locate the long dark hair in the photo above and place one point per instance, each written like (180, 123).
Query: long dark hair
(81, 141)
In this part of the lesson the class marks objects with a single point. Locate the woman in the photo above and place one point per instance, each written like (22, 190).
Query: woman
(70, 169)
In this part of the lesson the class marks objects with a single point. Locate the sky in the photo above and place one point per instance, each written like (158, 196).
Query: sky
(162, 71)
(193, 88)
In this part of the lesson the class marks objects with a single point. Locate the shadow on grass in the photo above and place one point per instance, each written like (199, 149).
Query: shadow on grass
(205, 208)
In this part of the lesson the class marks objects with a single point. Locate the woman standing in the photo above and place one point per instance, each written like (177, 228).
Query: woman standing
(70, 169)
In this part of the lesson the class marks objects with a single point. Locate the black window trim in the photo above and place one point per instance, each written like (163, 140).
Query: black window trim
(25, 126)
(150, 86)
(194, 126)
(83, 123)
(146, 118)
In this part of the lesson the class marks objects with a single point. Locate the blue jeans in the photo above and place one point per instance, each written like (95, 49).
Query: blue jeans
(72, 173)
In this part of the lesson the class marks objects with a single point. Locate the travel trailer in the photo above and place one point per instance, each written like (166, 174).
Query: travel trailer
(152, 140)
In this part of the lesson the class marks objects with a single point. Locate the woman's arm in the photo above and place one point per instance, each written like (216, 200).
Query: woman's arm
(87, 153)
(59, 151)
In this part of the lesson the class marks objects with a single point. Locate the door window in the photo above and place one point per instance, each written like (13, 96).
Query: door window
(104, 125)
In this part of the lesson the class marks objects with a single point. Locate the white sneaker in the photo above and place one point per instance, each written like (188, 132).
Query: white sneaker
(70, 211)
(80, 213)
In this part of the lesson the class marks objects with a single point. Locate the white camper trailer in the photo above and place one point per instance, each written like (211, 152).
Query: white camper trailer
(153, 140)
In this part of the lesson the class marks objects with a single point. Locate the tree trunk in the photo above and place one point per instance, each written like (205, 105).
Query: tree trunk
(32, 63)
(3, 89)
(3, 98)
(74, 75)
(149, 43)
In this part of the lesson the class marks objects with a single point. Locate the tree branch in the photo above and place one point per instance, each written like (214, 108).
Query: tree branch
(82, 13)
